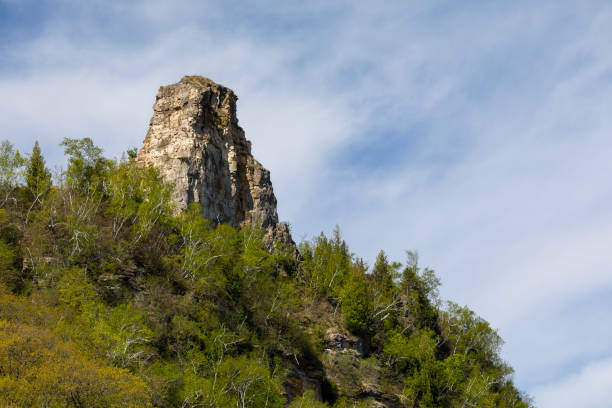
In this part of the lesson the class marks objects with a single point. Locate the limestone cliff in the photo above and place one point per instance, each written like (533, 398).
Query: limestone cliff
(196, 143)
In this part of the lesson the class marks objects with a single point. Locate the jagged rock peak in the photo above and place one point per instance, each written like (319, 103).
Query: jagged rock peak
(196, 143)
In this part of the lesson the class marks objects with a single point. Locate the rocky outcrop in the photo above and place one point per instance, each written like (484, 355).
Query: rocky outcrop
(355, 376)
(305, 374)
(196, 143)
(341, 341)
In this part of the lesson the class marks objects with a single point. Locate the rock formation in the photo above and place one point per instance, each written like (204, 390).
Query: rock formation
(196, 143)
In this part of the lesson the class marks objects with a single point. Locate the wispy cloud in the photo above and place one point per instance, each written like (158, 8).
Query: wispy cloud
(477, 134)
(588, 388)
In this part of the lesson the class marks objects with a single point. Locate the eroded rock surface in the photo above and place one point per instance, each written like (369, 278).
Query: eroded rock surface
(196, 143)
(341, 341)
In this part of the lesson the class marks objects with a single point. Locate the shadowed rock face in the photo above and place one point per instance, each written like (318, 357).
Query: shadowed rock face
(196, 143)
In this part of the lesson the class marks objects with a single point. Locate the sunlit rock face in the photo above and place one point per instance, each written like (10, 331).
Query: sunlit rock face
(196, 143)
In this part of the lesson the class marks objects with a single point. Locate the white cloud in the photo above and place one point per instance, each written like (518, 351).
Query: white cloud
(590, 387)
(518, 223)
(106, 93)
(501, 169)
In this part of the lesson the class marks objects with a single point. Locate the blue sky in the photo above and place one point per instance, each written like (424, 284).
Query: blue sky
(478, 133)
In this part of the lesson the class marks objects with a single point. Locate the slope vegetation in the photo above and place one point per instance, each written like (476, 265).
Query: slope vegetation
(111, 298)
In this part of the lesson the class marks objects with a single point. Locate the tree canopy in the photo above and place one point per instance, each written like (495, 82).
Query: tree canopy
(109, 297)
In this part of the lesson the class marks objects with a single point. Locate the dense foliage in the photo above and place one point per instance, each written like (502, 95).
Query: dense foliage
(111, 298)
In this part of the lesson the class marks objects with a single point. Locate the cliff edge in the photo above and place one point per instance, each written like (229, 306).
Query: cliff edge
(195, 142)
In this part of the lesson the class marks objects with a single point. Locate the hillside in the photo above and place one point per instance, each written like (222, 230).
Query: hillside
(164, 279)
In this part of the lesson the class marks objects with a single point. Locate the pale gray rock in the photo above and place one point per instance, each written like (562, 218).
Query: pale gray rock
(195, 142)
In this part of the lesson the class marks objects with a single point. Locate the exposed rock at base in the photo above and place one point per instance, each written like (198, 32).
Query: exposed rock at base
(355, 376)
(303, 375)
(196, 143)
(341, 341)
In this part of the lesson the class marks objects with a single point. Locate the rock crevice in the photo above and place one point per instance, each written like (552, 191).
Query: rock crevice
(195, 142)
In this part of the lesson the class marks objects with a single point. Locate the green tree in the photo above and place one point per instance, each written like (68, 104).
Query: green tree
(469, 334)
(10, 268)
(39, 369)
(307, 400)
(239, 382)
(419, 291)
(125, 302)
(86, 166)
(381, 272)
(326, 264)
(10, 165)
(8, 273)
(37, 176)
(132, 153)
(357, 307)
(384, 274)
(137, 199)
